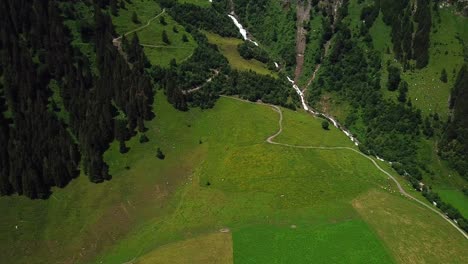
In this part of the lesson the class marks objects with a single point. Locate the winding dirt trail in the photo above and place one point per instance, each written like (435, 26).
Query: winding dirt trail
(189, 91)
(115, 40)
(271, 138)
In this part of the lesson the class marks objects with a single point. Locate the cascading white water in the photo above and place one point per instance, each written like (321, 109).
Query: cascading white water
(242, 30)
(244, 34)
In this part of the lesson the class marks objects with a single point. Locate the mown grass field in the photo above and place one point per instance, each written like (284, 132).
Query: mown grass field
(148, 210)
(228, 47)
(408, 231)
(350, 241)
(158, 52)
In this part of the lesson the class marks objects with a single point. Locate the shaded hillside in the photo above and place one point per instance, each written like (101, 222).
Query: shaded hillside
(39, 61)
(454, 144)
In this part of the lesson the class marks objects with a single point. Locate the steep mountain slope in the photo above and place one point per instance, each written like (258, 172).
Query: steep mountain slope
(230, 168)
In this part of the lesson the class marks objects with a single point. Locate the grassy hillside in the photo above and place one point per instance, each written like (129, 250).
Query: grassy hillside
(158, 52)
(456, 198)
(426, 90)
(223, 194)
(150, 202)
(228, 47)
(210, 248)
(425, 247)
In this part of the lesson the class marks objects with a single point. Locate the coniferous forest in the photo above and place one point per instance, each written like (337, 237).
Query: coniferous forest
(104, 97)
(39, 150)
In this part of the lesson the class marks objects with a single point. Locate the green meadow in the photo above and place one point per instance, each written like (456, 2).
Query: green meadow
(223, 194)
(158, 52)
(426, 90)
(219, 173)
(350, 241)
(456, 198)
(228, 47)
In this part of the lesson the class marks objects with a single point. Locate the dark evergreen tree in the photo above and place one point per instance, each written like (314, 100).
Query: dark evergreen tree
(393, 78)
(38, 150)
(113, 7)
(443, 76)
(162, 20)
(160, 154)
(135, 18)
(402, 91)
(143, 138)
(165, 38)
(325, 125)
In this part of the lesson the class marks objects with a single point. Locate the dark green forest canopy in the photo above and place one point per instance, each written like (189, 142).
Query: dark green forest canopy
(61, 120)
(410, 42)
(36, 51)
(454, 145)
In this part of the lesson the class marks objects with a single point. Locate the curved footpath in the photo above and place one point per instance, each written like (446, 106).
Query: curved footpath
(140, 28)
(271, 138)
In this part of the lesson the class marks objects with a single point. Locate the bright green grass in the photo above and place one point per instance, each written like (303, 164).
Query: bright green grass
(202, 3)
(381, 35)
(314, 135)
(455, 198)
(350, 241)
(228, 47)
(158, 202)
(156, 50)
(354, 13)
